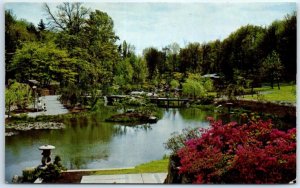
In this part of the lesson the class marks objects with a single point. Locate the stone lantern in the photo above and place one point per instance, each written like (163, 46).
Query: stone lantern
(46, 160)
(34, 91)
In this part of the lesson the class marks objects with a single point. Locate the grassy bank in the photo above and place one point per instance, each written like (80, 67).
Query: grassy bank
(150, 167)
(286, 93)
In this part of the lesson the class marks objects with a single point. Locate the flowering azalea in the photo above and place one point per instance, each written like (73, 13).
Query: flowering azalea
(248, 153)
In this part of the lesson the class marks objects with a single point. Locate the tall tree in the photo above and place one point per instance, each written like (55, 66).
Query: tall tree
(100, 37)
(89, 37)
(140, 71)
(190, 58)
(16, 32)
(287, 47)
(70, 17)
(272, 68)
(126, 50)
(155, 61)
(172, 56)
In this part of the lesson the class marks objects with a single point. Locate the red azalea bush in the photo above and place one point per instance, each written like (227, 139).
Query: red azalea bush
(232, 153)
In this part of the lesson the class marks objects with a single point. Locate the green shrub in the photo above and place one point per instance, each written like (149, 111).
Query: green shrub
(177, 140)
(21, 117)
(29, 174)
(260, 97)
(98, 106)
(52, 172)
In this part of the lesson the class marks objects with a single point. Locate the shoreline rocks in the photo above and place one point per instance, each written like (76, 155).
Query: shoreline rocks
(12, 128)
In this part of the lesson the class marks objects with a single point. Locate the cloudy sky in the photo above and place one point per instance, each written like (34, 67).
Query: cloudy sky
(159, 24)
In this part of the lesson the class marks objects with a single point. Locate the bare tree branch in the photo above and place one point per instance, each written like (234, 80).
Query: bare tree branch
(69, 17)
(52, 18)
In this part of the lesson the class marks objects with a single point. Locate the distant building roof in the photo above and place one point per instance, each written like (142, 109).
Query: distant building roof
(137, 93)
(214, 75)
(34, 81)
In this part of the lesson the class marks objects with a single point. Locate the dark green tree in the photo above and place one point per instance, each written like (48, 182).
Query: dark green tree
(190, 58)
(16, 32)
(155, 61)
(287, 47)
(41, 25)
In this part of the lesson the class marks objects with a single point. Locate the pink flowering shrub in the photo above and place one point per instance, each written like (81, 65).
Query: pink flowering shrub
(232, 153)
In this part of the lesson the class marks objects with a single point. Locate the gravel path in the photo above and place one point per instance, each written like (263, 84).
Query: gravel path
(53, 106)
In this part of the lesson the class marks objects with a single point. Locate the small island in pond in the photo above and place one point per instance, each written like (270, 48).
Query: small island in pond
(132, 117)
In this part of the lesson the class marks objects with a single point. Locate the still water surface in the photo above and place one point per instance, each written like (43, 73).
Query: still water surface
(92, 143)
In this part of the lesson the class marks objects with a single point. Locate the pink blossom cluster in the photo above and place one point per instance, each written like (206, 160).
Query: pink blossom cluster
(233, 153)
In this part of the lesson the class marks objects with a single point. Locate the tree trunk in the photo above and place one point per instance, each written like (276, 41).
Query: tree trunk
(272, 83)
(194, 94)
(8, 114)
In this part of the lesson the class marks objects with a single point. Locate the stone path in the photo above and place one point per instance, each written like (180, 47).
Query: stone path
(148, 178)
(53, 106)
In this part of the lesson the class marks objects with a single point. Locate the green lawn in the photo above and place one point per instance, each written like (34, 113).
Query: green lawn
(150, 167)
(286, 93)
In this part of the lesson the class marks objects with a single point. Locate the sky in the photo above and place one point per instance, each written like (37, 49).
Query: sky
(157, 24)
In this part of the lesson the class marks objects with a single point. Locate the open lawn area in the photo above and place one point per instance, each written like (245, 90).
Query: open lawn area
(150, 167)
(287, 93)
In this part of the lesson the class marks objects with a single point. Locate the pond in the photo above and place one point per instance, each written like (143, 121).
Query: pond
(91, 143)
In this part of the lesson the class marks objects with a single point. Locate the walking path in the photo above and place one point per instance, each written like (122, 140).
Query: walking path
(148, 178)
(53, 106)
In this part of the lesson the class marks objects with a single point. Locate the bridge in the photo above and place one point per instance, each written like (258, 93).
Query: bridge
(112, 98)
(161, 102)
(170, 102)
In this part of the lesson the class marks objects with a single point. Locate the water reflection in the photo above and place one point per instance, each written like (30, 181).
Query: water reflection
(195, 114)
(89, 142)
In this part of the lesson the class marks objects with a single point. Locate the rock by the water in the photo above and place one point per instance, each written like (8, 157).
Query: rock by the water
(17, 179)
(36, 125)
(129, 110)
(152, 119)
(11, 133)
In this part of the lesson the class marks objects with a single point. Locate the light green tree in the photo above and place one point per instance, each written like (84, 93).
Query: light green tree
(193, 88)
(123, 75)
(10, 100)
(196, 86)
(17, 94)
(43, 62)
(140, 71)
(174, 84)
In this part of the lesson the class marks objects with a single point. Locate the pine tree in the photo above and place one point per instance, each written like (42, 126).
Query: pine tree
(41, 25)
